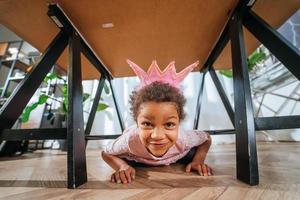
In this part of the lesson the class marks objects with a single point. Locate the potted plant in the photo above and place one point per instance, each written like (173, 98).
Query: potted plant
(43, 97)
(58, 118)
(256, 57)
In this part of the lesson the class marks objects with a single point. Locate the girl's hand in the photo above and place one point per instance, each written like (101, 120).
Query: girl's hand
(125, 174)
(202, 168)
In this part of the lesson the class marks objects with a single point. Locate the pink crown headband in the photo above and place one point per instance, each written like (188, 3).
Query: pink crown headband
(154, 73)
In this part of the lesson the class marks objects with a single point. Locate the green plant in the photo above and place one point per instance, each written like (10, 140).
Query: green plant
(7, 93)
(64, 102)
(28, 109)
(256, 57)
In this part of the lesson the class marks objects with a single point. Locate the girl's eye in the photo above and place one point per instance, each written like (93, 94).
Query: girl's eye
(147, 124)
(170, 125)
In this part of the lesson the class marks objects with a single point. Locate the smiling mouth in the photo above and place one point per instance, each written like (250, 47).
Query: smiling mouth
(158, 144)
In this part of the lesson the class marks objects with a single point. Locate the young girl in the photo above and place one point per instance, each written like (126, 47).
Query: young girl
(157, 139)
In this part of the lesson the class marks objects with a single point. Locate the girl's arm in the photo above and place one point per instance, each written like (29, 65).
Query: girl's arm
(115, 162)
(199, 158)
(124, 172)
(202, 150)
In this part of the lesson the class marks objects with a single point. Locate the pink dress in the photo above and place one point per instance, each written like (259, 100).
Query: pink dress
(129, 146)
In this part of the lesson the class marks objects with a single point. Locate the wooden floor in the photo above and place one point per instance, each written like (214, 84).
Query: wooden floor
(42, 175)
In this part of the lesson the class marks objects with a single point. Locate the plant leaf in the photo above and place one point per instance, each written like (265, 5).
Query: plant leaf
(52, 76)
(43, 98)
(226, 72)
(85, 96)
(106, 88)
(64, 89)
(28, 109)
(64, 108)
(255, 58)
(26, 112)
(102, 106)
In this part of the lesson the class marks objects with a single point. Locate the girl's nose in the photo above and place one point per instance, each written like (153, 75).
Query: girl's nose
(157, 133)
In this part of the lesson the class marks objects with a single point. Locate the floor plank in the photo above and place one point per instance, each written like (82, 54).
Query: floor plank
(42, 175)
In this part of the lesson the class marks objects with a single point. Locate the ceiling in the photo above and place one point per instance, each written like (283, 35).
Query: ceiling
(184, 31)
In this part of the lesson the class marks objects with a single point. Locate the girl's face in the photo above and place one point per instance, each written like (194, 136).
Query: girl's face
(158, 124)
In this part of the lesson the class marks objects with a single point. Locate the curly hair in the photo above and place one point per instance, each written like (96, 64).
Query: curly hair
(157, 92)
